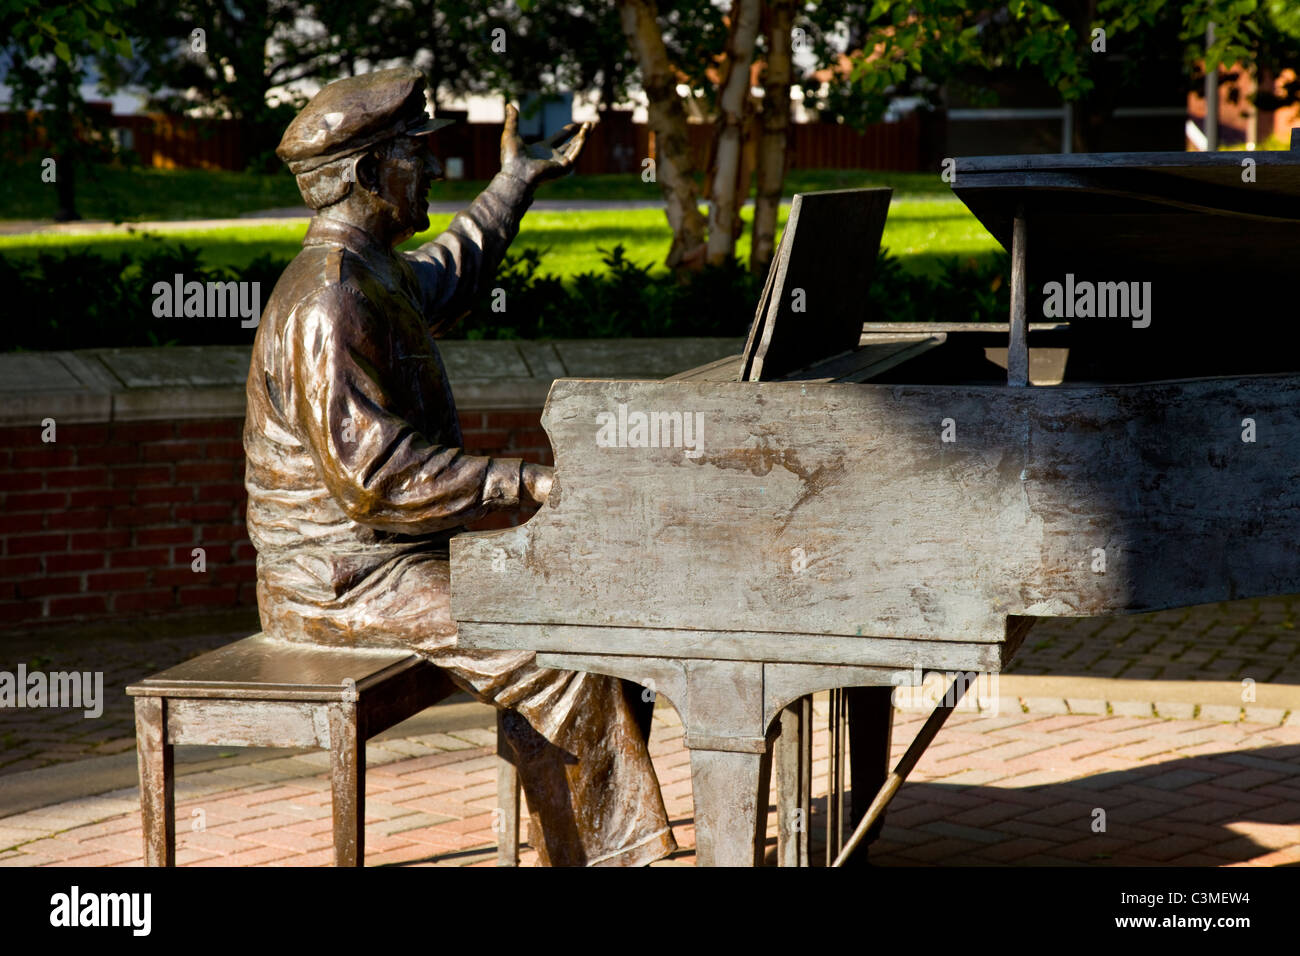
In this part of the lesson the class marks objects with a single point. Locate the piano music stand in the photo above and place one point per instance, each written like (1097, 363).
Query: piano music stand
(811, 306)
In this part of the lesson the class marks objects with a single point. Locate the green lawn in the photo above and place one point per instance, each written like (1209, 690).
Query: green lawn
(918, 231)
(925, 221)
(136, 195)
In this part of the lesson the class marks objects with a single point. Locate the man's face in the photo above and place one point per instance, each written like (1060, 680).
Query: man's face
(404, 179)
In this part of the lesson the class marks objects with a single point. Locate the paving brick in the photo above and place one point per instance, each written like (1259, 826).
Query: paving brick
(286, 839)
(941, 850)
(102, 858)
(264, 821)
(477, 736)
(318, 858)
(1250, 779)
(1045, 705)
(253, 856)
(1220, 712)
(1085, 706)
(1264, 715)
(974, 778)
(1015, 849)
(1177, 779)
(1290, 856)
(215, 842)
(438, 759)
(966, 833)
(1076, 815)
(1092, 848)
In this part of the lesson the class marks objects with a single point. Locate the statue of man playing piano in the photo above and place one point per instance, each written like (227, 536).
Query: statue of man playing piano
(356, 473)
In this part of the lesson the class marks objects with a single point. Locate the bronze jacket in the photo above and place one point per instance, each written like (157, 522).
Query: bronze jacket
(355, 473)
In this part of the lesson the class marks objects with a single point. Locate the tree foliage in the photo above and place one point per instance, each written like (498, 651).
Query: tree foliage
(917, 48)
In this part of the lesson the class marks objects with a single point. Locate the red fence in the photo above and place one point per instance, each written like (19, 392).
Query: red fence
(169, 142)
(893, 146)
(614, 145)
(166, 142)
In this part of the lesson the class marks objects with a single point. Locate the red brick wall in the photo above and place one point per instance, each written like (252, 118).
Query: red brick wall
(101, 523)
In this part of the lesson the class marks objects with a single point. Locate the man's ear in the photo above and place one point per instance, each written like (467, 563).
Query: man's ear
(366, 171)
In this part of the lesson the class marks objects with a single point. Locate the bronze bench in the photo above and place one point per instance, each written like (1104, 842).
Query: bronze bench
(259, 692)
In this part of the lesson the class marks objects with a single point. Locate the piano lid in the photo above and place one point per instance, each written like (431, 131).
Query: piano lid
(813, 304)
(1129, 213)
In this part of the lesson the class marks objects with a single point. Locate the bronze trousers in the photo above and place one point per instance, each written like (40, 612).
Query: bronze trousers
(583, 763)
(578, 740)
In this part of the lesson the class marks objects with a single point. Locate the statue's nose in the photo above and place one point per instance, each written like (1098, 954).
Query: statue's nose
(432, 166)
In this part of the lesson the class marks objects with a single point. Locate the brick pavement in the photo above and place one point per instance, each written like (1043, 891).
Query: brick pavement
(1012, 789)
(1230, 641)
(30, 739)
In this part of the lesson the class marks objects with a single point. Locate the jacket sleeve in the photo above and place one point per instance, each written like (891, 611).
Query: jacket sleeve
(382, 472)
(452, 269)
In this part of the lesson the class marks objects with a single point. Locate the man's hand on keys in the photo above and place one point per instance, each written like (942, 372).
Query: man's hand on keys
(537, 482)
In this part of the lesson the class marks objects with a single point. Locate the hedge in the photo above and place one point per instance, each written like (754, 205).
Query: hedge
(76, 299)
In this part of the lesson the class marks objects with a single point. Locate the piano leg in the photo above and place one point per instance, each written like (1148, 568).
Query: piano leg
(793, 754)
(871, 720)
(731, 799)
(722, 711)
(730, 712)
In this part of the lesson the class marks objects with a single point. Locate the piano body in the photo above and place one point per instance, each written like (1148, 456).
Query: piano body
(837, 510)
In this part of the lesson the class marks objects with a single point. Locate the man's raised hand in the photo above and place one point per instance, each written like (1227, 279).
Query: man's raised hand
(537, 162)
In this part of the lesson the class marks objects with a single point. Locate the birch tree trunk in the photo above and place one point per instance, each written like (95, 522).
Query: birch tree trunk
(724, 216)
(667, 119)
(772, 141)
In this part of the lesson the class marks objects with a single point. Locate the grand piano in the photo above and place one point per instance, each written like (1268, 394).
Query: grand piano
(833, 510)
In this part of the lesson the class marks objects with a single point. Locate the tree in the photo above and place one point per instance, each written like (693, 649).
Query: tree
(223, 59)
(733, 111)
(48, 50)
(667, 117)
(711, 53)
(247, 48)
(694, 58)
(1089, 51)
(770, 167)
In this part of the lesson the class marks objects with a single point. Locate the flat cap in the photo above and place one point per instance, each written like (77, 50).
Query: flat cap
(354, 113)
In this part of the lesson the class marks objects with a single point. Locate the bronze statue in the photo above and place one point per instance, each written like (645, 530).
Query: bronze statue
(356, 476)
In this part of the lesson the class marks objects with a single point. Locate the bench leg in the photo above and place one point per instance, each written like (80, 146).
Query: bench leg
(348, 782)
(157, 796)
(507, 801)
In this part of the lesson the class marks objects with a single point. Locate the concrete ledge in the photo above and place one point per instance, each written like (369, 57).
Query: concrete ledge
(103, 385)
(1198, 693)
